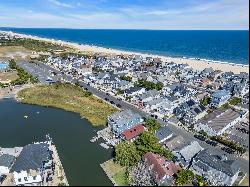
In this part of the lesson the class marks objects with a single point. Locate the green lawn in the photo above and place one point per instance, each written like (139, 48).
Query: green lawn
(120, 178)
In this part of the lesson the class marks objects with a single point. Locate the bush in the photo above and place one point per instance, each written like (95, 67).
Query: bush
(235, 101)
(152, 124)
(229, 143)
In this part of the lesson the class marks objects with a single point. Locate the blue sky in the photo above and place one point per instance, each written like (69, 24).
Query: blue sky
(126, 14)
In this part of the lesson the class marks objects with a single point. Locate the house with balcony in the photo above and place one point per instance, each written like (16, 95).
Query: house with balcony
(119, 122)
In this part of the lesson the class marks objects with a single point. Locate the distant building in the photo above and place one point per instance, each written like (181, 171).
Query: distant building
(217, 170)
(217, 122)
(122, 121)
(219, 98)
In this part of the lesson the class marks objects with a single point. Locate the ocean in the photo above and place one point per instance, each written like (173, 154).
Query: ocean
(225, 46)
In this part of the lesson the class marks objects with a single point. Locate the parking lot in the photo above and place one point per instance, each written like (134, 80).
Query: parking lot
(37, 71)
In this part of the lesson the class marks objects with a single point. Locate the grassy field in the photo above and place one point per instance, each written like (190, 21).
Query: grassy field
(117, 172)
(6, 77)
(245, 182)
(16, 52)
(70, 98)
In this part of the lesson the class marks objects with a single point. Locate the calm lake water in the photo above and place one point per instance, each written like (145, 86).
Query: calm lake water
(70, 133)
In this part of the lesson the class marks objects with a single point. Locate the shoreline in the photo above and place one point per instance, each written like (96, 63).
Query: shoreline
(196, 63)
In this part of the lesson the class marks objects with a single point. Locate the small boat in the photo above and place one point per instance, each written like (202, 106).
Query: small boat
(26, 117)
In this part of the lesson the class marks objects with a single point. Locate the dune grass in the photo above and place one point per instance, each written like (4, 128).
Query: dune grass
(70, 98)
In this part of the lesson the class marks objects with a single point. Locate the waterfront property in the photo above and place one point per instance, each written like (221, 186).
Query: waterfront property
(122, 121)
(34, 164)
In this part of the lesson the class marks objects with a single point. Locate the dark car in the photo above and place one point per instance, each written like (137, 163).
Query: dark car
(86, 89)
(119, 106)
(200, 137)
(228, 150)
(112, 102)
(210, 142)
(107, 94)
(106, 99)
(119, 99)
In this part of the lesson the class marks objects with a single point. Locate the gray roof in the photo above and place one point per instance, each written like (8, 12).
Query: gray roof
(6, 160)
(189, 151)
(220, 93)
(163, 132)
(123, 115)
(31, 157)
(219, 119)
(205, 159)
(150, 93)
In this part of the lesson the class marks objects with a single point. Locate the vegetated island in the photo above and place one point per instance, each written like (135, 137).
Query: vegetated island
(70, 98)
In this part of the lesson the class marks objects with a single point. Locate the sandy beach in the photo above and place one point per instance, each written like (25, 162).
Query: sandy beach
(194, 63)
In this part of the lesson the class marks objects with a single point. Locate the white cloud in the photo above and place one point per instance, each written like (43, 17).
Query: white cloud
(60, 4)
(221, 14)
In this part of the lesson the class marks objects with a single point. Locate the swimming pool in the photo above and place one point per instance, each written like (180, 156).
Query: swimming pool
(3, 66)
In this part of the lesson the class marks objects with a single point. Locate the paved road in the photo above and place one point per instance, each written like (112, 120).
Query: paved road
(42, 69)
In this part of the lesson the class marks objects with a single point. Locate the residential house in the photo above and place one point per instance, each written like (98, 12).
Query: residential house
(163, 133)
(216, 169)
(162, 170)
(29, 168)
(217, 122)
(132, 133)
(185, 154)
(6, 162)
(174, 142)
(122, 121)
(134, 91)
(219, 98)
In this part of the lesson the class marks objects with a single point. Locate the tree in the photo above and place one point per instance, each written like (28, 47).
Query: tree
(147, 142)
(152, 124)
(235, 101)
(206, 101)
(126, 154)
(126, 78)
(184, 176)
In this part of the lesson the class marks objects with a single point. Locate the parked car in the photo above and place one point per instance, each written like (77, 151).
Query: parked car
(112, 102)
(200, 137)
(228, 150)
(210, 142)
(118, 105)
(106, 99)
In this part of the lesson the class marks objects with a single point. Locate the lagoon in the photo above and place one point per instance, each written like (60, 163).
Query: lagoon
(70, 133)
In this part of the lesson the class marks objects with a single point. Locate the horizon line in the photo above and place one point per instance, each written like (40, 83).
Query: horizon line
(124, 29)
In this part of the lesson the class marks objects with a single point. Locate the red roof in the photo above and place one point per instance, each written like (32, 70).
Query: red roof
(160, 166)
(133, 132)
